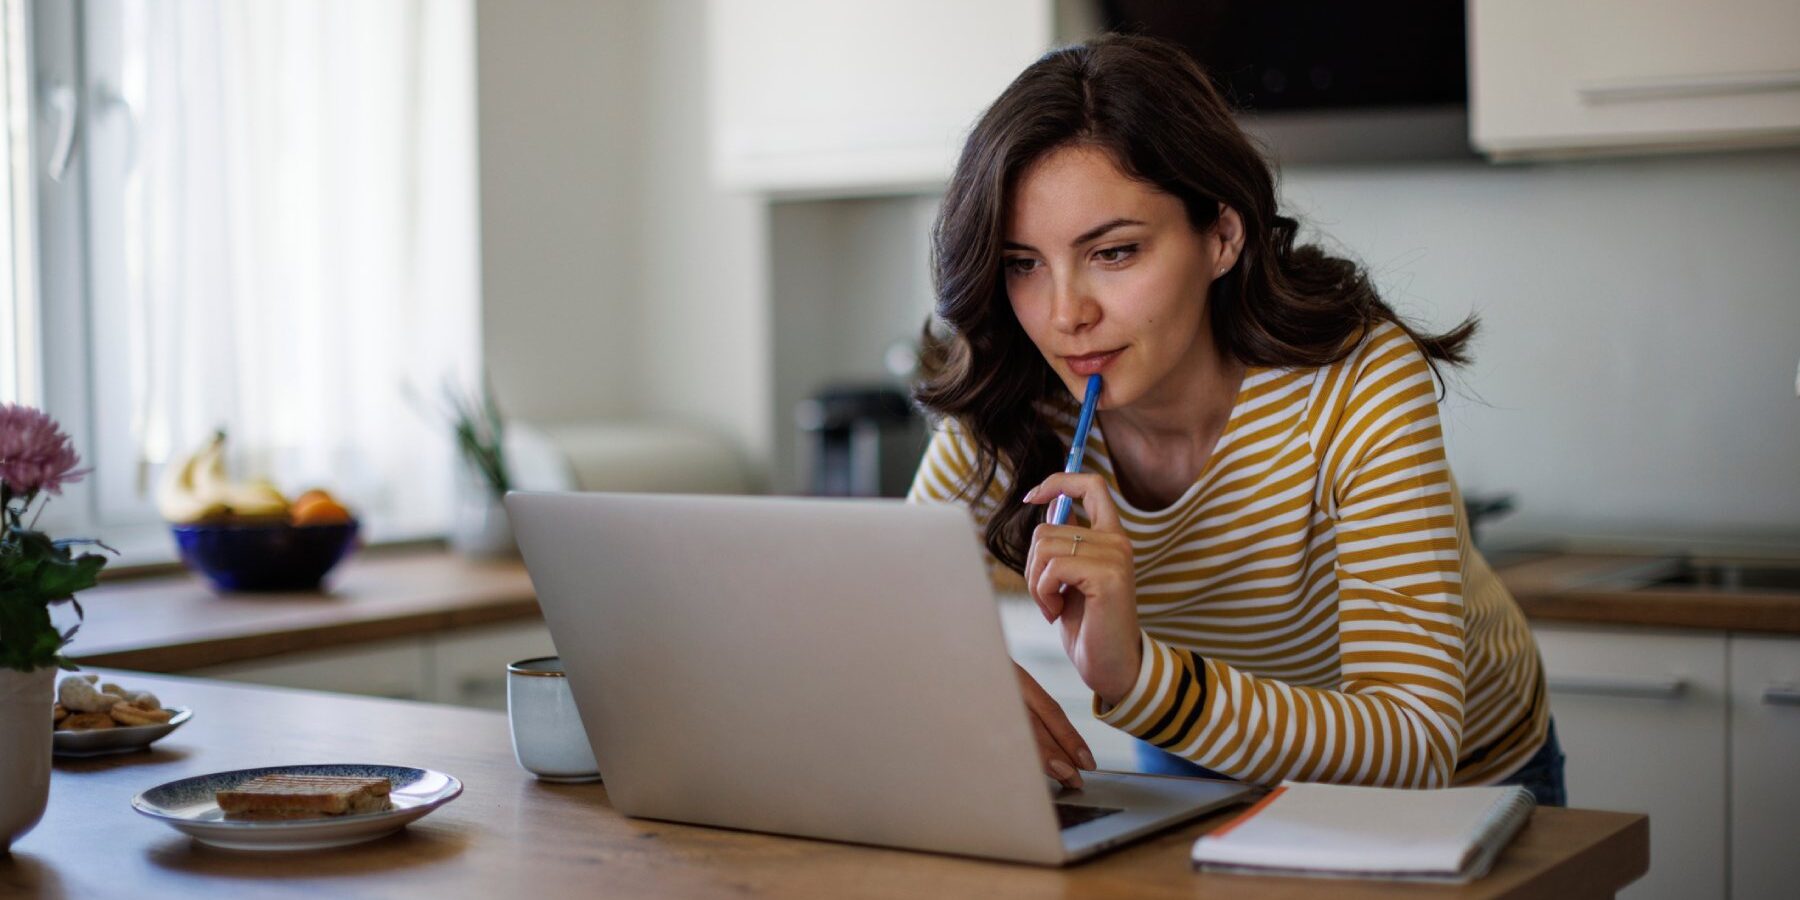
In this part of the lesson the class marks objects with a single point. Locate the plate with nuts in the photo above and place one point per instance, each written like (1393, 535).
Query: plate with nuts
(95, 719)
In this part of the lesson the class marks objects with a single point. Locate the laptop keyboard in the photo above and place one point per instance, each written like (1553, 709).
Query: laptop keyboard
(1069, 815)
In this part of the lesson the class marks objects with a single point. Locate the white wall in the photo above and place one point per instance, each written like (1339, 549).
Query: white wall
(849, 279)
(1641, 317)
(705, 351)
(560, 161)
(617, 282)
(1641, 329)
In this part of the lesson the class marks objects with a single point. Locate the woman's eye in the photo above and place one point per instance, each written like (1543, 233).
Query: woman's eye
(1117, 254)
(1020, 265)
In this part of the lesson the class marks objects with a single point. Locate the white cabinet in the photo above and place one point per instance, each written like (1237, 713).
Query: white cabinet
(1765, 767)
(1641, 716)
(824, 96)
(396, 669)
(468, 665)
(1570, 77)
(463, 667)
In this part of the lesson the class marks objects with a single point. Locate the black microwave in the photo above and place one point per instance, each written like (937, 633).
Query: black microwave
(1322, 80)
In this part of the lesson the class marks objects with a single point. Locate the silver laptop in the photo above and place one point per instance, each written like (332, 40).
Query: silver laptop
(824, 668)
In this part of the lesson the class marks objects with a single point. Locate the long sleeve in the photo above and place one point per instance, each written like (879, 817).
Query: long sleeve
(1395, 715)
(948, 465)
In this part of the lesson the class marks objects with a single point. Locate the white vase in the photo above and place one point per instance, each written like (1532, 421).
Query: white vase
(481, 528)
(25, 736)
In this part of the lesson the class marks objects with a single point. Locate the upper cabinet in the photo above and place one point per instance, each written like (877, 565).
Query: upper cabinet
(1550, 78)
(827, 97)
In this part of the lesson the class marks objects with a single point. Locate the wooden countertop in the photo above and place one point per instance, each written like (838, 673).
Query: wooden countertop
(1553, 588)
(509, 835)
(176, 623)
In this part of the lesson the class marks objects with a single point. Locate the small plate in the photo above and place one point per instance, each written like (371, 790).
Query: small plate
(124, 739)
(189, 807)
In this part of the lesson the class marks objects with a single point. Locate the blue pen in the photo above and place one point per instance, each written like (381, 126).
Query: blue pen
(1059, 508)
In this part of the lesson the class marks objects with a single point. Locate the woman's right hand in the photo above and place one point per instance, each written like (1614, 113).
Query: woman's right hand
(1060, 746)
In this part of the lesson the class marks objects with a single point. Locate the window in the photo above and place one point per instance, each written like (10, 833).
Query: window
(17, 293)
(273, 233)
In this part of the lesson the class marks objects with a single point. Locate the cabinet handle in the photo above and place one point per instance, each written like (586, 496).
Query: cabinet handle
(1601, 686)
(1626, 90)
(63, 101)
(1782, 695)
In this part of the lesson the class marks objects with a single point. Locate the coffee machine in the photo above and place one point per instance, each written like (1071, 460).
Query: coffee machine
(859, 441)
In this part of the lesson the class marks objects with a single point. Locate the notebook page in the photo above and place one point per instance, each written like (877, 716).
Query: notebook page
(1368, 830)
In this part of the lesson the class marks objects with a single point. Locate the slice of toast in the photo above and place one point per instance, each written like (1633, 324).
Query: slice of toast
(303, 796)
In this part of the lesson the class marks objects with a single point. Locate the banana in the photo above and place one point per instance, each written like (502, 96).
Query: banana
(209, 479)
(258, 498)
(178, 496)
(198, 489)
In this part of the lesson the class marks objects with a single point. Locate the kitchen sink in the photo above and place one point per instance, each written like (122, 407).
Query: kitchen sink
(1732, 575)
(1701, 572)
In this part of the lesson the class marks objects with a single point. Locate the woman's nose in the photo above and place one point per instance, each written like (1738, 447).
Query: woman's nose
(1072, 308)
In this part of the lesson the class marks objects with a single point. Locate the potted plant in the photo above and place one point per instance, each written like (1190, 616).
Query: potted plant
(479, 527)
(36, 574)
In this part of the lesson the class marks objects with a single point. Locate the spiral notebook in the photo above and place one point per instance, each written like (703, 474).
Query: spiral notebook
(1451, 835)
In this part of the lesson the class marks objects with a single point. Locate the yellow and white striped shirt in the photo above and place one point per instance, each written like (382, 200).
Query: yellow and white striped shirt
(1312, 607)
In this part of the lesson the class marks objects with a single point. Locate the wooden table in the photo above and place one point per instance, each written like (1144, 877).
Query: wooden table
(511, 836)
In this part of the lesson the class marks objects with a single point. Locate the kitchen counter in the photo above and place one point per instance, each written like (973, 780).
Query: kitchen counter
(509, 835)
(1598, 589)
(175, 623)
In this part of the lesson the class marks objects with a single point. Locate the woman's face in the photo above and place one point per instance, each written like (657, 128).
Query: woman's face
(1107, 276)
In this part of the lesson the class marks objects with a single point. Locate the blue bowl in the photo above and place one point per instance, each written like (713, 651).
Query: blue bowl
(274, 556)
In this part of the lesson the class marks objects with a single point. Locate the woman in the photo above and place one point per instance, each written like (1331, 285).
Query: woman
(1269, 575)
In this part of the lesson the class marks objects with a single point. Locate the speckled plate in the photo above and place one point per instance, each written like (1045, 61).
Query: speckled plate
(189, 807)
(126, 739)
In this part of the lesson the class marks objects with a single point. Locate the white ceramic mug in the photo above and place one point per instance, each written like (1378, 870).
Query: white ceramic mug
(547, 736)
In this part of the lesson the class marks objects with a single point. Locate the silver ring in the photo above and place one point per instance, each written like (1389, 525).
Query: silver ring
(1077, 550)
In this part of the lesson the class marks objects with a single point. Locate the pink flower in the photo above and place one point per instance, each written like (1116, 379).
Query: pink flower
(34, 453)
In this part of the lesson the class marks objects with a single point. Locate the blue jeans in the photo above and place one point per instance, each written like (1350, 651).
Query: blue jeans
(1542, 774)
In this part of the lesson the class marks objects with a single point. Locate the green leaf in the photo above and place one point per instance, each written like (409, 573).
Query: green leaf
(59, 577)
(37, 573)
(27, 638)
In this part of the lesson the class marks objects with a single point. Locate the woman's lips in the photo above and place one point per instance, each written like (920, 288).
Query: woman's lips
(1093, 362)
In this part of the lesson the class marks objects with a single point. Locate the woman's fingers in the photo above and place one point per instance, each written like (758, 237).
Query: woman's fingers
(1087, 488)
(1063, 732)
(1038, 556)
(1099, 623)
(1079, 574)
(1055, 722)
(1056, 763)
(1057, 545)
(1062, 759)
(1090, 489)
(1031, 567)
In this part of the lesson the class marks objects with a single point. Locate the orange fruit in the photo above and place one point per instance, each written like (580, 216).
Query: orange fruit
(314, 494)
(318, 508)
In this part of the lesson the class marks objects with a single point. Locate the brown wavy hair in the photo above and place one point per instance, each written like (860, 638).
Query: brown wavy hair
(1150, 106)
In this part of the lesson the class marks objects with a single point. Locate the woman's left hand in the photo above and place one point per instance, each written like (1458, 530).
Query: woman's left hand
(1098, 611)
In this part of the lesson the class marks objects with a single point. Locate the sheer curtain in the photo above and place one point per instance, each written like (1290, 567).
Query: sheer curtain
(299, 238)
(16, 355)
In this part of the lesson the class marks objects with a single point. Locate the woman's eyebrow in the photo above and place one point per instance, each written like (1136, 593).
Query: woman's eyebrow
(1083, 238)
